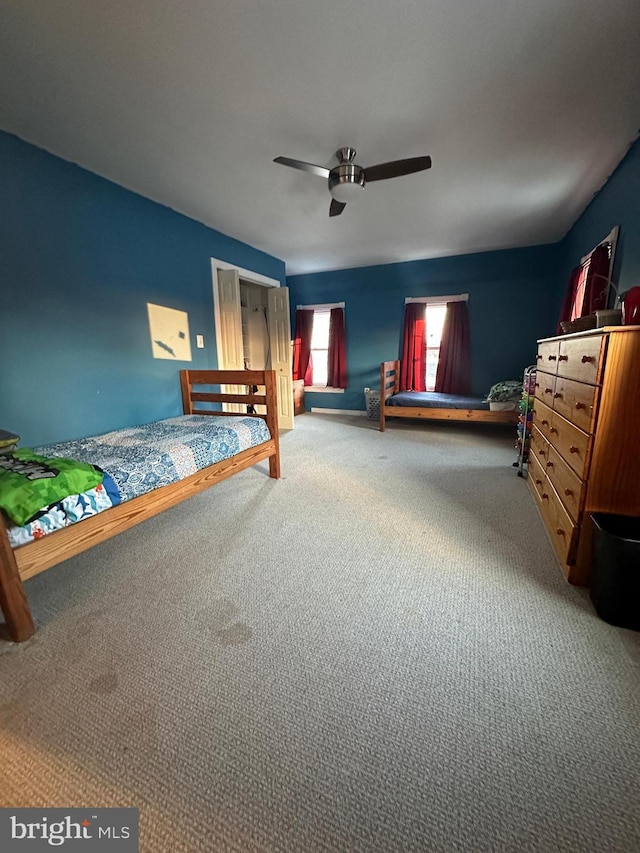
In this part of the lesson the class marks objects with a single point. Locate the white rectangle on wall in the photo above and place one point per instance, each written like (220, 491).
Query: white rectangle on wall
(169, 330)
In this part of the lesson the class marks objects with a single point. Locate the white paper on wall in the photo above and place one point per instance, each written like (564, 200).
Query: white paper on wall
(169, 331)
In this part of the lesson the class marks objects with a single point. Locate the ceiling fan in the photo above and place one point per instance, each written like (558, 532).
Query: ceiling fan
(347, 178)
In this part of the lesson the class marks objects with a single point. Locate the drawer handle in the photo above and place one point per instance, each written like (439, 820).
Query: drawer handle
(559, 531)
(568, 492)
(587, 358)
(557, 395)
(553, 429)
(544, 422)
(548, 391)
(574, 449)
(538, 482)
(563, 358)
(580, 406)
(552, 357)
(545, 497)
(537, 385)
(549, 464)
(541, 452)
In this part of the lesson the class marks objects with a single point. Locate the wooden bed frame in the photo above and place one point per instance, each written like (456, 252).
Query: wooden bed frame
(390, 384)
(35, 557)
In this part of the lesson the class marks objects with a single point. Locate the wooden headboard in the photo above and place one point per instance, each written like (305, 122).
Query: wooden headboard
(389, 379)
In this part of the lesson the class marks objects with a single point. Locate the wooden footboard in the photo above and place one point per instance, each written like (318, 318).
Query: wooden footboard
(249, 378)
(35, 557)
(389, 385)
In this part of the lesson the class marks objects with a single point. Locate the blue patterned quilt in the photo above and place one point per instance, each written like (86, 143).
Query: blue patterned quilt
(140, 459)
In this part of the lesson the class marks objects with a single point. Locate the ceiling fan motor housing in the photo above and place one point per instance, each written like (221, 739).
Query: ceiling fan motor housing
(346, 181)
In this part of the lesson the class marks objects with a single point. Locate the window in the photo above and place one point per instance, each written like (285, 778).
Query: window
(319, 348)
(435, 312)
(320, 345)
(590, 288)
(434, 321)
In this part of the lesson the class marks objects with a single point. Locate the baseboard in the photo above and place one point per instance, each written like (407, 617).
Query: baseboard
(322, 411)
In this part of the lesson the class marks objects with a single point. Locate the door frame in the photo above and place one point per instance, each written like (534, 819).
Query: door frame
(286, 421)
(245, 275)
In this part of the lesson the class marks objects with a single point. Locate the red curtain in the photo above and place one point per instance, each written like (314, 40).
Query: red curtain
(454, 365)
(569, 298)
(588, 288)
(413, 365)
(302, 366)
(337, 357)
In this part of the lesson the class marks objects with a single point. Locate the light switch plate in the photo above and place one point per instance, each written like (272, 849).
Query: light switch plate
(200, 341)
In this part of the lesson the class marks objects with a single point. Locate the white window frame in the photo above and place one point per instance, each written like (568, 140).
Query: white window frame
(459, 297)
(322, 389)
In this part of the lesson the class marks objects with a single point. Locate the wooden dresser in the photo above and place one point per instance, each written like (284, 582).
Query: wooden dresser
(298, 397)
(585, 440)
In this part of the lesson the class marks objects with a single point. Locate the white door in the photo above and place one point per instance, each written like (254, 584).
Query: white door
(280, 341)
(228, 317)
(228, 322)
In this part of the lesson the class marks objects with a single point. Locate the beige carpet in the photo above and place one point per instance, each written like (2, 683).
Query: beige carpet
(376, 653)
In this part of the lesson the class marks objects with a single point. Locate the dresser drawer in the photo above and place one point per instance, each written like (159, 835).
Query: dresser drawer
(538, 446)
(542, 417)
(560, 528)
(572, 443)
(563, 532)
(576, 401)
(566, 482)
(545, 385)
(547, 358)
(536, 476)
(579, 358)
(545, 508)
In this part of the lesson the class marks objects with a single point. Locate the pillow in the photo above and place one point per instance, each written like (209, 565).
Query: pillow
(29, 482)
(8, 439)
(502, 392)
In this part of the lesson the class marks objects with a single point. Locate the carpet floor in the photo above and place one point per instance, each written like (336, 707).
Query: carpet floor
(377, 652)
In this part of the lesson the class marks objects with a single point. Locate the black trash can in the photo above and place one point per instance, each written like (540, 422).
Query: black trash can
(615, 578)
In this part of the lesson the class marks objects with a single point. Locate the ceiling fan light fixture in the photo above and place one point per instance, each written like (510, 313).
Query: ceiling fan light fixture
(346, 181)
(345, 192)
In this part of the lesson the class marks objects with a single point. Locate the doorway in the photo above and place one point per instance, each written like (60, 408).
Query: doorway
(253, 330)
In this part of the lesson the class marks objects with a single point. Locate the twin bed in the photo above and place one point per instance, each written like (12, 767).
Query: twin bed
(147, 469)
(432, 406)
(150, 468)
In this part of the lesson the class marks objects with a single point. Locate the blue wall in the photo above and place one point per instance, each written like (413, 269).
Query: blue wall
(515, 295)
(617, 203)
(80, 257)
(514, 298)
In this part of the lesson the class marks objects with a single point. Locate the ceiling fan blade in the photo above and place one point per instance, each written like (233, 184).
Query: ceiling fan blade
(336, 207)
(396, 168)
(304, 167)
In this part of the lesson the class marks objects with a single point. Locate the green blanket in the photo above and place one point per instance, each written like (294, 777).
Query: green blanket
(28, 482)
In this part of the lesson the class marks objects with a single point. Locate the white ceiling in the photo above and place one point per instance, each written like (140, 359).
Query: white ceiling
(525, 108)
